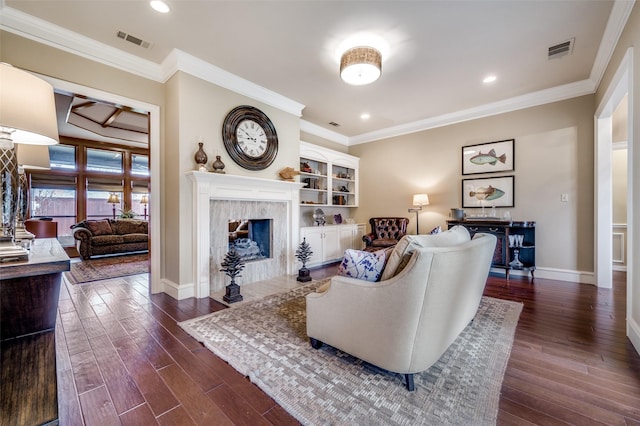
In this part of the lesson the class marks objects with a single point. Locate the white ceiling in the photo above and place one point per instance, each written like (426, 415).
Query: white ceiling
(438, 51)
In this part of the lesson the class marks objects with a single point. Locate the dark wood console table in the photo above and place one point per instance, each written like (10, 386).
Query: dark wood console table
(508, 255)
(29, 292)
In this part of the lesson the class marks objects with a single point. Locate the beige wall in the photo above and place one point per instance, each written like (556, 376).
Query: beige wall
(630, 37)
(553, 155)
(619, 185)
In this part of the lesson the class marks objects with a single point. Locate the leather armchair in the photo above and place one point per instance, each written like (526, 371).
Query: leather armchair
(405, 323)
(385, 232)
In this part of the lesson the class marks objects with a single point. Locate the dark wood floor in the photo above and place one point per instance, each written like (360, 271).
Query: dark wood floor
(123, 360)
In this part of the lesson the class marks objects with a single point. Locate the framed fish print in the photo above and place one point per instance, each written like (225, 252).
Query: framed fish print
(488, 157)
(487, 192)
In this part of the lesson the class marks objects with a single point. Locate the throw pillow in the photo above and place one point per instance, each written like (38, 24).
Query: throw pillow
(435, 230)
(362, 265)
(99, 227)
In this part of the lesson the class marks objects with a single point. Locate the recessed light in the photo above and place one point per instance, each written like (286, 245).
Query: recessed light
(365, 115)
(159, 6)
(489, 79)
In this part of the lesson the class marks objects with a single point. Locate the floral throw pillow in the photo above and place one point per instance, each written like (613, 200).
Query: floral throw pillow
(363, 265)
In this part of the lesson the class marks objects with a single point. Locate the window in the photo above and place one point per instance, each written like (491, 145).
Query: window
(140, 165)
(62, 157)
(55, 197)
(98, 190)
(99, 160)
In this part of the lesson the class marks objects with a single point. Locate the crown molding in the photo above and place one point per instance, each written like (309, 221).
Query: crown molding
(44, 32)
(554, 94)
(615, 25)
(330, 135)
(178, 60)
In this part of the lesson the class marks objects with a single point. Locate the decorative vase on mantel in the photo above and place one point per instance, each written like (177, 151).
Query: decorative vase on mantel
(201, 158)
(218, 165)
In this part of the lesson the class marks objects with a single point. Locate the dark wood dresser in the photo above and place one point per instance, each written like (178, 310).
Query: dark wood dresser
(516, 245)
(29, 293)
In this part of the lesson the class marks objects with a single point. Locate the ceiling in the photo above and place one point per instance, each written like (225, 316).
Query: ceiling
(438, 51)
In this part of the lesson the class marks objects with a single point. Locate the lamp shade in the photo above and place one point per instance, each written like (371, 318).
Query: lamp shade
(27, 108)
(113, 199)
(360, 65)
(144, 199)
(420, 200)
(35, 157)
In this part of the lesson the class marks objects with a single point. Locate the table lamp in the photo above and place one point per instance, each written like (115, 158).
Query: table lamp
(27, 116)
(113, 200)
(144, 200)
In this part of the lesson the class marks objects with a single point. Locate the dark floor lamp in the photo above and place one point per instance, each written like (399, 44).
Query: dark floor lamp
(419, 200)
(113, 200)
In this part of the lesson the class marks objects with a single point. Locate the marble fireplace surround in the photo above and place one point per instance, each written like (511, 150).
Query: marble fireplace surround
(218, 198)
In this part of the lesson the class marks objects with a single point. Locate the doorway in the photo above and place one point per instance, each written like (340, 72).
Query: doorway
(154, 160)
(619, 90)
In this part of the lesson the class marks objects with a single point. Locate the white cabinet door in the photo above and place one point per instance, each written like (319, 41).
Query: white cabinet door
(360, 232)
(314, 239)
(347, 237)
(331, 244)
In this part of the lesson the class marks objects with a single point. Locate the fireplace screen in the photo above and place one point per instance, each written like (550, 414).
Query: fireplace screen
(251, 238)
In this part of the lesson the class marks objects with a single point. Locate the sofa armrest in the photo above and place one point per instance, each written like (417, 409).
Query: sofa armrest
(368, 238)
(82, 234)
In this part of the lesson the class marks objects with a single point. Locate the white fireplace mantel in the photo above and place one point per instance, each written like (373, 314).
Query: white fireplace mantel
(216, 186)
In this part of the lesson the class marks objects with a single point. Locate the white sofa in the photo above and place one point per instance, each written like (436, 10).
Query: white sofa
(406, 321)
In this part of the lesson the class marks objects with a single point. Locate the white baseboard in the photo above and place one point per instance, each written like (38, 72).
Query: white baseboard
(622, 268)
(177, 291)
(633, 332)
(555, 274)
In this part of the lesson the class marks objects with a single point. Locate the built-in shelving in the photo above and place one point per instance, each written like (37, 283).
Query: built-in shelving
(330, 177)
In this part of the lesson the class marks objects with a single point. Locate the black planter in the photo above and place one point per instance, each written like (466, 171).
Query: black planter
(304, 275)
(232, 294)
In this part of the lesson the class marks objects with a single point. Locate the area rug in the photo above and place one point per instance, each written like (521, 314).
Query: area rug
(266, 341)
(108, 267)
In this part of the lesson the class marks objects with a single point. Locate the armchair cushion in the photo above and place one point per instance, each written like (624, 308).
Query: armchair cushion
(409, 243)
(363, 265)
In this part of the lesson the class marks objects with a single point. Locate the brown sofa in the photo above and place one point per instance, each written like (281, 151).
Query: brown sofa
(108, 236)
(385, 232)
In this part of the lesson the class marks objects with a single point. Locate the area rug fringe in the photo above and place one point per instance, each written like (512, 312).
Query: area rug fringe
(265, 340)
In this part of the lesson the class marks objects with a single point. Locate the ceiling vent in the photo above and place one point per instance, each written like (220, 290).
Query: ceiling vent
(133, 39)
(561, 49)
(334, 124)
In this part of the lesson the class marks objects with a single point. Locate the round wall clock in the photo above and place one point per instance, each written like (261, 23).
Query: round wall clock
(250, 137)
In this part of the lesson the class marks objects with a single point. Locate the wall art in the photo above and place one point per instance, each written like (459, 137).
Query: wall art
(487, 192)
(488, 157)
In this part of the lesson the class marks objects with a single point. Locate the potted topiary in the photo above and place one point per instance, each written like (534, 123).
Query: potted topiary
(303, 253)
(232, 266)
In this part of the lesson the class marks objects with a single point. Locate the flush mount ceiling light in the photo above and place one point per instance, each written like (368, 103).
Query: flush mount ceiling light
(361, 65)
(159, 6)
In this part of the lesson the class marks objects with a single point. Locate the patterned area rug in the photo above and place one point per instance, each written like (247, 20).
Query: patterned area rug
(266, 341)
(107, 267)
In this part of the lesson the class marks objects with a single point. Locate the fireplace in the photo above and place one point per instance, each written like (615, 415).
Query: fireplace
(270, 207)
(251, 238)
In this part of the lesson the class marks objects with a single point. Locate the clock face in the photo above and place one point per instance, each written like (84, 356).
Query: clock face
(250, 138)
